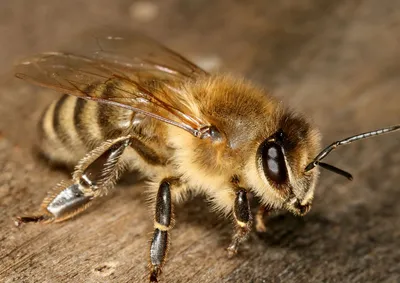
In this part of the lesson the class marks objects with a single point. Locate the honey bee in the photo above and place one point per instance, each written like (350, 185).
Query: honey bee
(131, 103)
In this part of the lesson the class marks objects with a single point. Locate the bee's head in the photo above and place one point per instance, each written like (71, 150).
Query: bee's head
(287, 162)
(281, 158)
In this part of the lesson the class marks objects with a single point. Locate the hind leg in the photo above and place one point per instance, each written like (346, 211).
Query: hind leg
(95, 174)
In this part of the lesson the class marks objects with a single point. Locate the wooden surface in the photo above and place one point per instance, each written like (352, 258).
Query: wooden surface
(338, 61)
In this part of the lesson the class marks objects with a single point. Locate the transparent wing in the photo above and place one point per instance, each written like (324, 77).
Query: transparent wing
(125, 69)
(134, 50)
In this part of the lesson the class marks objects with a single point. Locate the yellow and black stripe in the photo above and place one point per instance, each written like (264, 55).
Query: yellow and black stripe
(72, 126)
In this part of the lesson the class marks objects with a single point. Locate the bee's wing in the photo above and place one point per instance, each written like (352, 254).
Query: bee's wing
(120, 70)
(134, 50)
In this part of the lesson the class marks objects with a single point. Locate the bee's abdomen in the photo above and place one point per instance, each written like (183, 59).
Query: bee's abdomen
(71, 126)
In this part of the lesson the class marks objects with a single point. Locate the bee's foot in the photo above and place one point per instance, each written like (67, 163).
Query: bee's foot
(154, 274)
(260, 227)
(232, 251)
(19, 220)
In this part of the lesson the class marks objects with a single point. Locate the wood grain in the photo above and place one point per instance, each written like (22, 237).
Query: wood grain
(337, 61)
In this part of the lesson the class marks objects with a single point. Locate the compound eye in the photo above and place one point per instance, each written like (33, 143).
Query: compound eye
(273, 162)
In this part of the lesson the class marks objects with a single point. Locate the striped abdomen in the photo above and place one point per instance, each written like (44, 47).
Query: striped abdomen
(72, 126)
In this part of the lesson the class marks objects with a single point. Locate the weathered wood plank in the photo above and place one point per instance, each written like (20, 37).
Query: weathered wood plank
(337, 61)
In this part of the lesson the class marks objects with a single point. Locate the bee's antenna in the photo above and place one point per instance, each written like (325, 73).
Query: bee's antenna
(334, 145)
(336, 170)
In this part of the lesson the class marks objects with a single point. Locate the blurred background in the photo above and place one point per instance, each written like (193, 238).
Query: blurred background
(336, 61)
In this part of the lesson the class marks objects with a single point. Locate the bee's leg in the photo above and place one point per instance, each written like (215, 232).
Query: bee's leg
(243, 218)
(93, 176)
(162, 224)
(262, 213)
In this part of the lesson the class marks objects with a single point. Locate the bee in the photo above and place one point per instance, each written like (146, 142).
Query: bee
(131, 103)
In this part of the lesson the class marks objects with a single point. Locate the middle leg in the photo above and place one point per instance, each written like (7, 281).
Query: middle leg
(163, 222)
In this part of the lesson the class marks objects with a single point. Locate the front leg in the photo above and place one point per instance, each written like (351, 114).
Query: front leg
(262, 213)
(243, 221)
